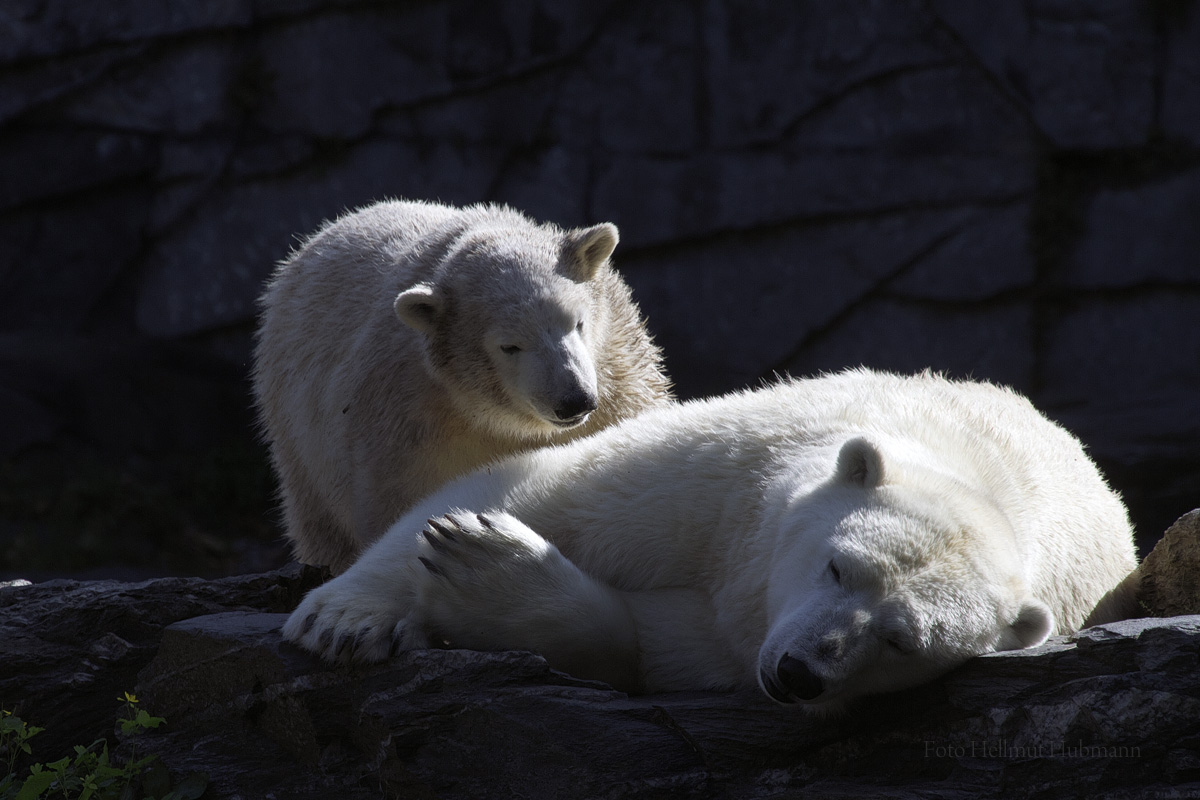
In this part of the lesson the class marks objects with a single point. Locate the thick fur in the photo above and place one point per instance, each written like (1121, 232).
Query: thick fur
(822, 539)
(409, 343)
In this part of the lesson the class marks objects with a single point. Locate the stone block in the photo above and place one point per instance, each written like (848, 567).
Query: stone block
(209, 271)
(1141, 237)
(1167, 585)
(181, 90)
(1121, 372)
(37, 424)
(258, 716)
(1086, 71)
(881, 148)
(39, 164)
(54, 675)
(987, 256)
(30, 87)
(426, 51)
(547, 184)
(60, 262)
(733, 309)
(320, 74)
(635, 88)
(768, 72)
(517, 113)
(1122, 351)
(1181, 76)
(55, 27)
(993, 343)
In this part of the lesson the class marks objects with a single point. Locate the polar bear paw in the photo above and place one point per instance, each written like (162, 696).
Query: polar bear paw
(489, 580)
(345, 621)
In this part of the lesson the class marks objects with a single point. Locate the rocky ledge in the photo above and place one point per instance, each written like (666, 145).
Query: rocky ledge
(1108, 712)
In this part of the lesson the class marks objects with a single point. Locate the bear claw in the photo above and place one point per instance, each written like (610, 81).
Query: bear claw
(434, 542)
(441, 528)
(343, 641)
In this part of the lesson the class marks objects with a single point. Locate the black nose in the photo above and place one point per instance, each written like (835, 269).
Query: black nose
(798, 679)
(575, 406)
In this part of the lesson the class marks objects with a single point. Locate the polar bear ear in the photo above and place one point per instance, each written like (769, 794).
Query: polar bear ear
(418, 307)
(860, 463)
(1031, 627)
(586, 249)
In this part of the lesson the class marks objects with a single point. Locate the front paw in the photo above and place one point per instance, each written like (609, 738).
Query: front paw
(345, 621)
(488, 580)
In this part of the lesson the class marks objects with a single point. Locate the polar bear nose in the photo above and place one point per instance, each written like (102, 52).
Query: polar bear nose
(575, 406)
(795, 675)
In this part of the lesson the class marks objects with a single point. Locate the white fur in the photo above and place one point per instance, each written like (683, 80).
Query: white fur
(406, 344)
(821, 538)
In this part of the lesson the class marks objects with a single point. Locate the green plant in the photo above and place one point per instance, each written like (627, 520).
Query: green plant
(91, 772)
(14, 740)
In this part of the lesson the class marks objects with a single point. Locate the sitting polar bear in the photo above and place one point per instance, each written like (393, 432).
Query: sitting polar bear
(409, 343)
(822, 538)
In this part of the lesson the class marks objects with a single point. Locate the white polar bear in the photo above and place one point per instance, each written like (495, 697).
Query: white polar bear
(822, 538)
(408, 343)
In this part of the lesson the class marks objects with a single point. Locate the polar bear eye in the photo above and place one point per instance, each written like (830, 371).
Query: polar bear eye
(579, 326)
(836, 573)
(509, 349)
(899, 646)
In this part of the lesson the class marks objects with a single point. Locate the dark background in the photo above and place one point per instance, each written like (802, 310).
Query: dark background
(1005, 190)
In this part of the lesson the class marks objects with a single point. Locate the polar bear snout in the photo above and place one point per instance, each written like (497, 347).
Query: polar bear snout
(792, 680)
(576, 406)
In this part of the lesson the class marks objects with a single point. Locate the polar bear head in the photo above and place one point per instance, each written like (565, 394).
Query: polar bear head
(887, 575)
(512, 323)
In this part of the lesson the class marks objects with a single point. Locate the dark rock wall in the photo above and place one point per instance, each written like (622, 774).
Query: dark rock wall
(1004, 190)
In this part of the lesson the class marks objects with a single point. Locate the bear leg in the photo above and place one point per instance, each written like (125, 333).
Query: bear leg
(491, 583)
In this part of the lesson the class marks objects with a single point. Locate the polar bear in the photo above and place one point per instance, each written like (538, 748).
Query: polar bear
(821, 539)
(408, 343)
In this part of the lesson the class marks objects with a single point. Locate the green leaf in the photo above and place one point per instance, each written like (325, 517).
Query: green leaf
(156, 780)
(192, 787)
(144, 720)
(36, 785)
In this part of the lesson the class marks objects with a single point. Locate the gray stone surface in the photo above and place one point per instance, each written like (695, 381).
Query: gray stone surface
(1142, 346)
(1141, 237)
(1085, 71)
(1167, 577)
(710, 313)
(72, 647)
(1108, 712)
(1181, 79)
(41, 28)
(179, 90)
(888, 333)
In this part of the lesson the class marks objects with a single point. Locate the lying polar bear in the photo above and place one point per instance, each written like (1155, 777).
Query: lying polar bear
(822, 538)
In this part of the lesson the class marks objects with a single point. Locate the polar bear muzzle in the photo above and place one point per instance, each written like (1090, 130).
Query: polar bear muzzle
(792, 681)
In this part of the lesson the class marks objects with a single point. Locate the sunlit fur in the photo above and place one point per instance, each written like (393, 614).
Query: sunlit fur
(876, 529)
(406, 344)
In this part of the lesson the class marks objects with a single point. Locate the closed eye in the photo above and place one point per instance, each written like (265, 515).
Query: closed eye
(836, 573)
(899, 646)
(509, 349)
